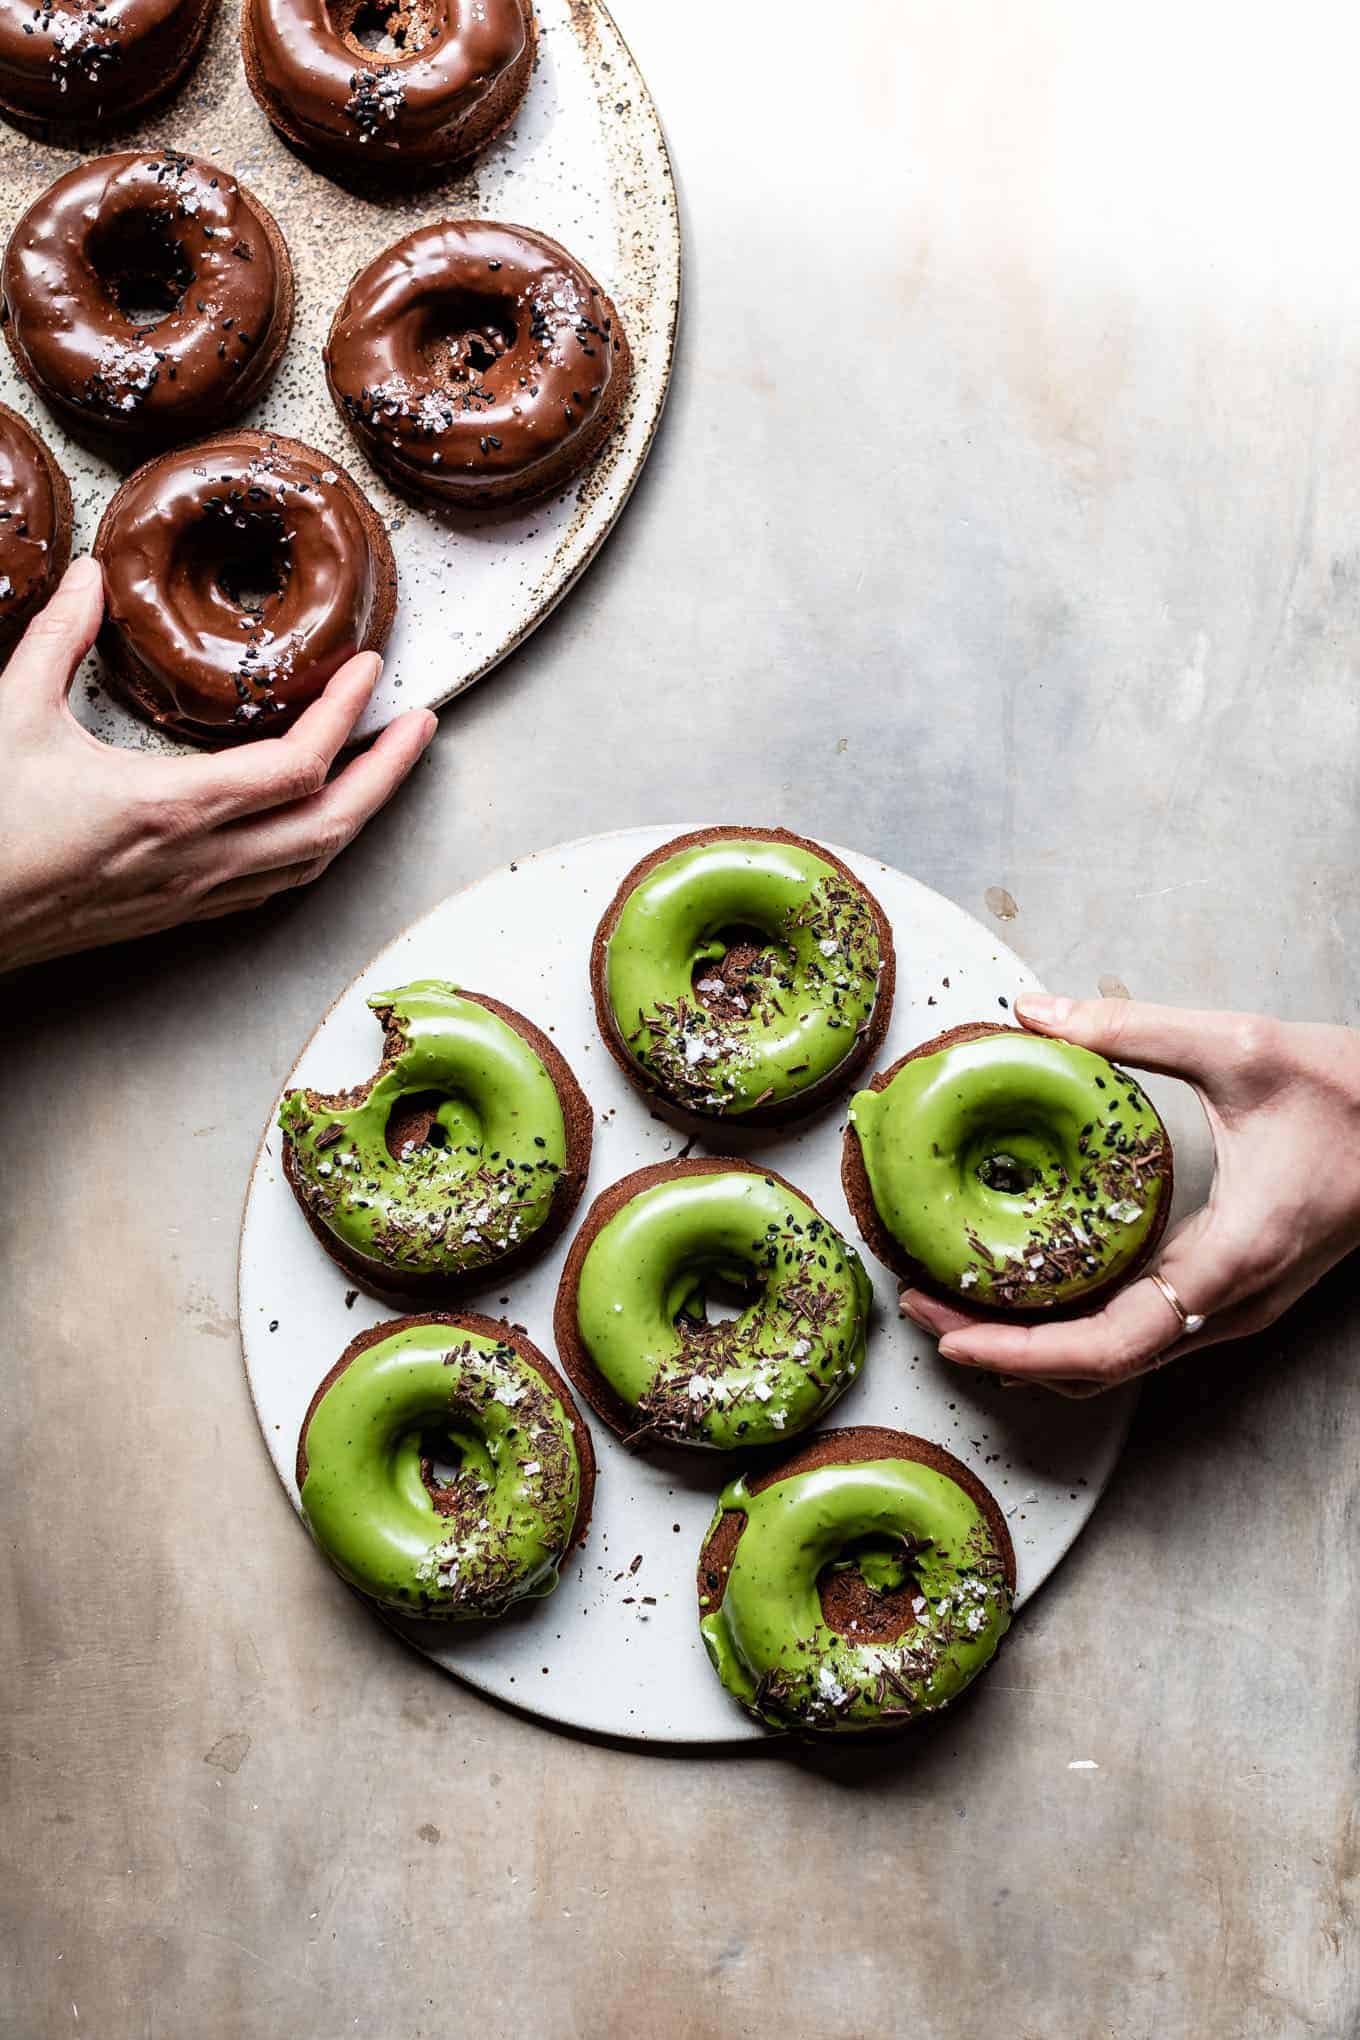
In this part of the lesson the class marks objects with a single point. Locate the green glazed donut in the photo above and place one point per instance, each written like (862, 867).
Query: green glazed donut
(1008, 1170)
(631, 1326)
(862, 1584)
(465, 1154)
(742, 974)
(444, 1469)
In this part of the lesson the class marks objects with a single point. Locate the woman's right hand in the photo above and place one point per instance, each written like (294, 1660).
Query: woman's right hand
(1283, 1104)
(98, 844)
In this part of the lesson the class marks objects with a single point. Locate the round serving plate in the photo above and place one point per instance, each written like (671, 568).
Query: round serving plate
(616, 1648)
(584, 161)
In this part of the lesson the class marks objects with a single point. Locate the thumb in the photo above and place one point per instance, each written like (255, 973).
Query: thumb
(1176, 1041)
(46, 657)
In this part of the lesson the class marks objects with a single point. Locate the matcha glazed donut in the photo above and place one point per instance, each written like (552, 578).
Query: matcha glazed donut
(742, 974)
(1009, 1171)
(444, 1469)
(461, 1158)
(630, 1323)
(862, 1584)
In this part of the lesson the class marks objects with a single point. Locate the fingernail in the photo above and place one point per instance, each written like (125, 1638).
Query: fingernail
(953, 1348)
(375, 668)
(82, 574)
(910, 1309)
(1042, 1010)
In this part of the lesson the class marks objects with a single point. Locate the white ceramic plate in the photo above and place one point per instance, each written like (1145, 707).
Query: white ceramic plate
(596, 1655)
(585, 161)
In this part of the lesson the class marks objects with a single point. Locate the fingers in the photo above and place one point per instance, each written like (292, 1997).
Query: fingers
(238, 895)
(1135, 1331)
(312, 832)
(279, 770)
(46, 657)
(1210, 1049)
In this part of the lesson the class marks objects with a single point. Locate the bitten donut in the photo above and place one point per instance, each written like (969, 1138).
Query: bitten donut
(862, 1584)
(451, 77)
(462, 1157)
(240, 574)
(1008, 1170)
(631, 1324)
(96, 62)
(444, 1469)
(477, 363)
(35, 525)
(147, 297)
(742, 974)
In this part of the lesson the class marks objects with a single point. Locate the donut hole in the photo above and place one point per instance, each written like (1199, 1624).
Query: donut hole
(428, 1120)
(871, 1592)
(243, 552)
(463, 335)
(372, 29)
(731, 974)
(140, 265)
(714, 1296)
(1007, 1174)
(454, 1465)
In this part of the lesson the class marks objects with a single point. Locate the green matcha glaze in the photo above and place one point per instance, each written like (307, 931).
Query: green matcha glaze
(748, 1380)
(505, 1519)
(1015, 1171)
(483, 1181)
(720, 1040)
(896, 1520)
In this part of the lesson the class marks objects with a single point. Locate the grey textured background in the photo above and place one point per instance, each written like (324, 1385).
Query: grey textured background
(1003, 523)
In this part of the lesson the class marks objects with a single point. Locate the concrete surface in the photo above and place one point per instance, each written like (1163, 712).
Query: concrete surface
(1004, 522)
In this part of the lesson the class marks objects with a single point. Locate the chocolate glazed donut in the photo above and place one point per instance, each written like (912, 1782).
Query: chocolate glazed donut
(146, 297)
(96, 62)
(239, 575)
(35, 525)
(451, 77)
(477, 363)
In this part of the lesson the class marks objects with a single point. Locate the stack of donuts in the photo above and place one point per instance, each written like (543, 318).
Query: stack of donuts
(852, 1580)
(147, 300)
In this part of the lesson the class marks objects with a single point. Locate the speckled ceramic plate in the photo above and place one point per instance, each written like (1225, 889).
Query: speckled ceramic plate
(616, 1649)
(585, 161)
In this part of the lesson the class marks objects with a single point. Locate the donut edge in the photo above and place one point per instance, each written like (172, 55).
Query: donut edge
(571, 1348)
(59, 556)
(505, 1334)
(578, 1119)
(52, 126)
(788, 1110)
(888, 1250)
(124, 674)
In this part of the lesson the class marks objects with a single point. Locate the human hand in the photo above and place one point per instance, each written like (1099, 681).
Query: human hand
(98, 844)
(1283, 1104)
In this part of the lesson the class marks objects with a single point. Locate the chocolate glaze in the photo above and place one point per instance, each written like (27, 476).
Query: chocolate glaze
(194, 634)
(95, 60)
(35, 524)
(114, 233)
(474, 360)
(464, 73)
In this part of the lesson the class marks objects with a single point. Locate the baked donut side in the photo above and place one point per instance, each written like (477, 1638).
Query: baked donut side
(35, 524)
(869, 1595)
(147, 297)
(734, 1384)
(477, 363)
(891, 1252)
(450, 81)
(96, 63)
(389, 1279)
(478, 1372)
(691, 1096)
(240, 574)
